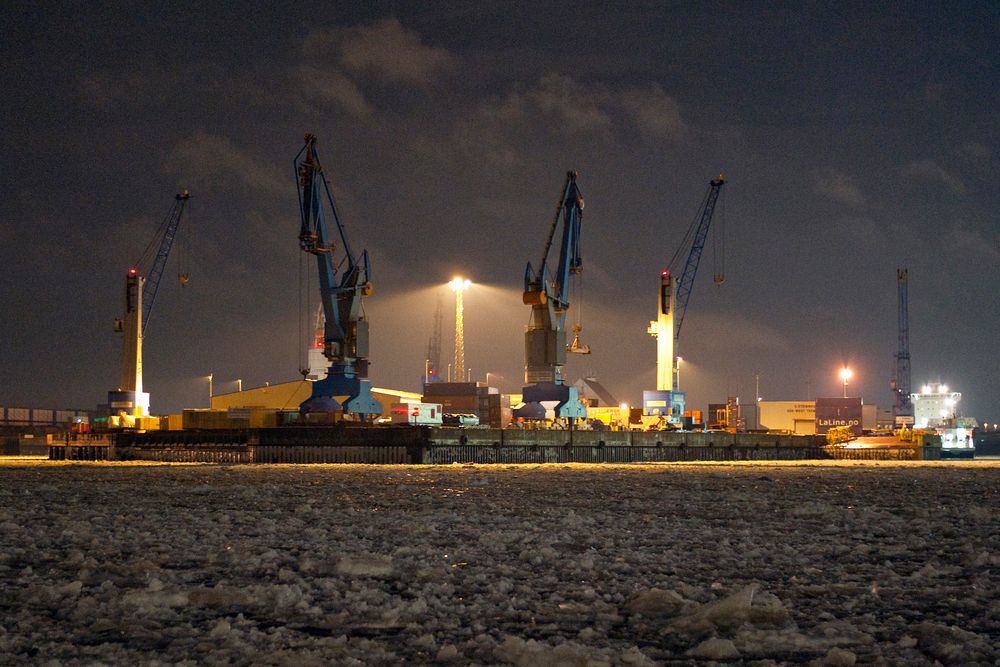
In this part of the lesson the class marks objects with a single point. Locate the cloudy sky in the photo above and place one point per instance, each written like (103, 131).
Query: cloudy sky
(855, 139)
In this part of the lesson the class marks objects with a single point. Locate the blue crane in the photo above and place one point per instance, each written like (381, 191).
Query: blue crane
(129, 399)
(548, 295)
(345, 333)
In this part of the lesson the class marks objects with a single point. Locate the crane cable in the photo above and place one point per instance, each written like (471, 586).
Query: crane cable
(302, 314)
(719, 245)
(688, 239)
(578, 296)
(184, 251)
(154, 243)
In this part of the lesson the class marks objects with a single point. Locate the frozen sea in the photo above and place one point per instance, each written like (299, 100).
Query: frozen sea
(567, 565)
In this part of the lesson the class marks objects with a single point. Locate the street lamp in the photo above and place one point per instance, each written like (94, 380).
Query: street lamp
(210, 376)
(845, 375)
(459, 285)
(239, 384)
(677, 380)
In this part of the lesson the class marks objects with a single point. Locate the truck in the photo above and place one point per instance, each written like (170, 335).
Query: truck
(416, 414)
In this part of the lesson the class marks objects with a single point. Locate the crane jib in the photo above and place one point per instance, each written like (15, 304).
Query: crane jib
(686, 281)
(152, 281)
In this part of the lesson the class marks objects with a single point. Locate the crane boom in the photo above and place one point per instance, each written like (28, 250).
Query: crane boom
(345, 334)
(686, 281)
(152, 281)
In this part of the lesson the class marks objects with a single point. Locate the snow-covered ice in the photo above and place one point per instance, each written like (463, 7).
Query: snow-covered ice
(578, 565)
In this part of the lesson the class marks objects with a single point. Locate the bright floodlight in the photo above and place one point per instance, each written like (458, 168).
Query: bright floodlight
(459, 285)
(845, 375)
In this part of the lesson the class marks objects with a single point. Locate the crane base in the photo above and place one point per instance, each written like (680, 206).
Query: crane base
(566, 399)
(339, 392)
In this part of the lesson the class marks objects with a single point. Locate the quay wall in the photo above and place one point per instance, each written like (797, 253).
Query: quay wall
(427, 445)
(544, 446)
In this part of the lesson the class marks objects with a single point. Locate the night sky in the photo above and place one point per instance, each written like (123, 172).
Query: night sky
(855, 139)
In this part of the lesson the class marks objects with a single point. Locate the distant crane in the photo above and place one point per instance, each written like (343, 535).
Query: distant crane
(902, 410)
(433, 359)
(548, 295)
(129, 399)
(345, 329)
(672, 301)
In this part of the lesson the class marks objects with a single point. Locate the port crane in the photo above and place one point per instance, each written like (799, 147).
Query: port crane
(432, 362)
(345, 329)
(673, 297)
(548, 295)
(902, 410)
(142, 281)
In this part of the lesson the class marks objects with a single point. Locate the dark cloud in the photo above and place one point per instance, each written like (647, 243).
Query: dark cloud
(839, 187)
(930, 171)
(211, 162)
(656, 114)
(332, 85)
(388, 51)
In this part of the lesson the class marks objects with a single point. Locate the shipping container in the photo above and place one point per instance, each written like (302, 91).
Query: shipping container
(42, 416)
(194, 419)
(147, 423)
(835, 412)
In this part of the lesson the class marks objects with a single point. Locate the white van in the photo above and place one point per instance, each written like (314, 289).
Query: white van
(422, 414)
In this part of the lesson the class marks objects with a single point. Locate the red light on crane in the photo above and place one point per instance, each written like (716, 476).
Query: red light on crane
(132, 271)
(665, 273)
